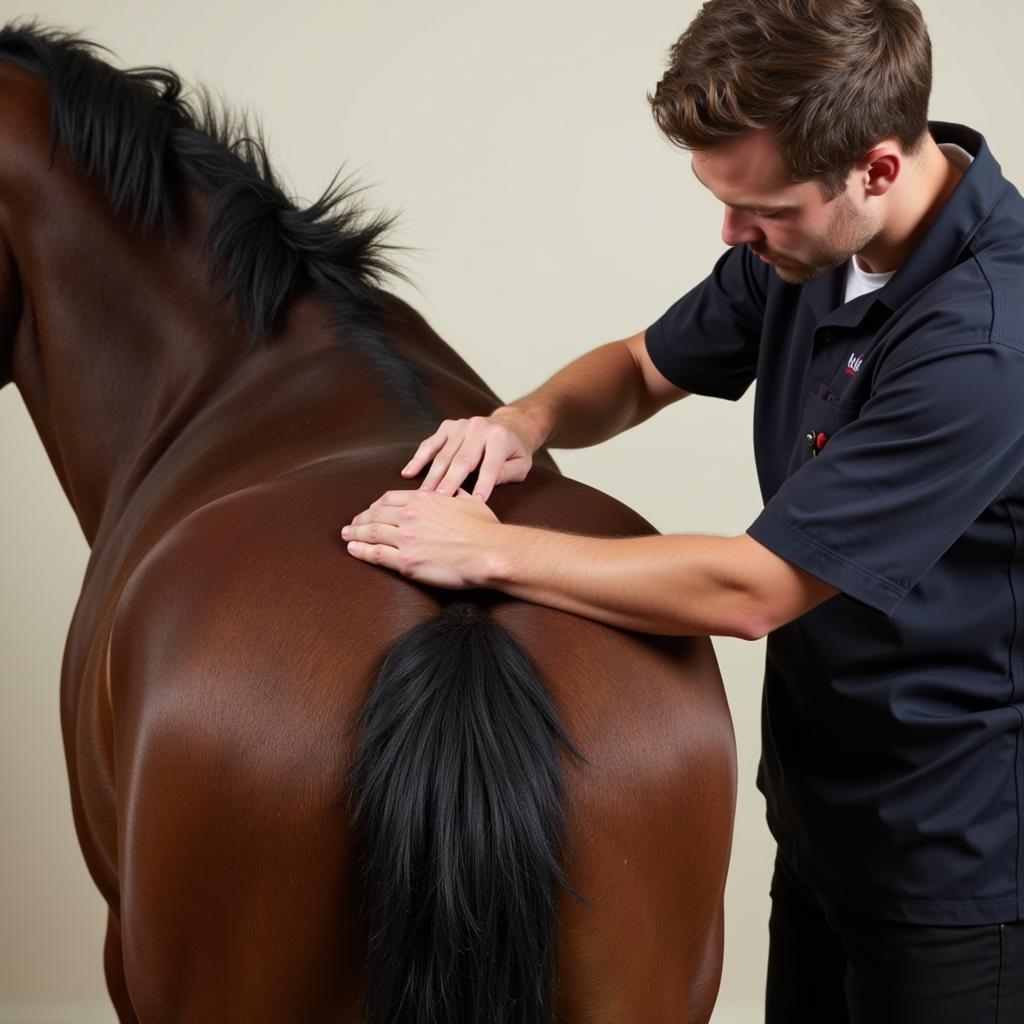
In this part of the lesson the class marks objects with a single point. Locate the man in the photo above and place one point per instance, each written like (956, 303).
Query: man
(874, 287)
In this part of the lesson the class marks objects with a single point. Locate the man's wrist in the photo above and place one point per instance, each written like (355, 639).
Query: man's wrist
(498, 564)
(532, 423)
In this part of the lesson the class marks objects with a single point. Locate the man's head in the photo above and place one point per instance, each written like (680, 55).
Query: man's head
(812, 105)
(791, 223)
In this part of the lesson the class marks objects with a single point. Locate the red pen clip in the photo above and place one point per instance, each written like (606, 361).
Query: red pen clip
(817, 440)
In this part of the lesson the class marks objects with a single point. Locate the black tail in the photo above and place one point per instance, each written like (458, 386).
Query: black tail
(457, 797)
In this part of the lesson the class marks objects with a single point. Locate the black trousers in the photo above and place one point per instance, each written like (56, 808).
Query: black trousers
(850, 970)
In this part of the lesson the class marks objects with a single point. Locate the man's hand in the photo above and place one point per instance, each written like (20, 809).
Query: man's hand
(444, 542)
(498, 444)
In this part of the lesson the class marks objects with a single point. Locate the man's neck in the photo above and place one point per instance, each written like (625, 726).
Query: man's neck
(915, 203)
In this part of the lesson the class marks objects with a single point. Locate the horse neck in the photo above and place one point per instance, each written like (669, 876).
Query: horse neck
(120, 344)
(109, 355)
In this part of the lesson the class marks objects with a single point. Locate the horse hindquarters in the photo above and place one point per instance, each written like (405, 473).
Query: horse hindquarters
(238, 673)
(235, 679)
(650, 814)
(240, 893)
(238, 890)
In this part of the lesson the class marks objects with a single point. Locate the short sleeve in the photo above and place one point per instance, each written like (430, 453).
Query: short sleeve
(939, 440)
(707, 342)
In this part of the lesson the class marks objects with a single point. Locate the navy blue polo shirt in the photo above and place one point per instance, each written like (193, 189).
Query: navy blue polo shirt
(892, 761)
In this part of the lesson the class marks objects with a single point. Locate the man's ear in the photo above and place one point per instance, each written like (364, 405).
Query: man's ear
(881, 167)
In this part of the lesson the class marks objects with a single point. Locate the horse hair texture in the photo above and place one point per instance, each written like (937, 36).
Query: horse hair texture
(134, 132)
(456, 793)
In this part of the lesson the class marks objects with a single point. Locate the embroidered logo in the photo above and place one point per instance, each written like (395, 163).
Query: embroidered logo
(853, 363)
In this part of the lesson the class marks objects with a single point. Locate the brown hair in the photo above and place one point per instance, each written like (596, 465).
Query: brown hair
(830, 78)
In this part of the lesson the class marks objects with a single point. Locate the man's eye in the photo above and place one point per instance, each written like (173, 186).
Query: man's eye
(770, 216)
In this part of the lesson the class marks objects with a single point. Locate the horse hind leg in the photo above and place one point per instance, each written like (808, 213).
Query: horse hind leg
(649, 825)
(237, 885)
(113, 969)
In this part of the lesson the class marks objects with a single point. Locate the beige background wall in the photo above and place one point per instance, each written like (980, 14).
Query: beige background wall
(550, 216)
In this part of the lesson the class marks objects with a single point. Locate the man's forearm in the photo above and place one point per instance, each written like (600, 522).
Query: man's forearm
(679, 585)
(595, 397)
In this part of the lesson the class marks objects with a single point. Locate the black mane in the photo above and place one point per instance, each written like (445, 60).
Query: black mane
(133, 131)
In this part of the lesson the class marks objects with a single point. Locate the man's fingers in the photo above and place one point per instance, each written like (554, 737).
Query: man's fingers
(446, 476)
(458, 447)
(442, 461)
(376, 534)
(377, 514)
(394, 498)
(463, 463)
(490, 471)
(377, 554)
(425, 452)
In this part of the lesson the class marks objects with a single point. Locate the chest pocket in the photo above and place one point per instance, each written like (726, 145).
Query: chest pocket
(820, 419)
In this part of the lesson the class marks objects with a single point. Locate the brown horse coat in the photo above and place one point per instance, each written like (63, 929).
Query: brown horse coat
(223, 643)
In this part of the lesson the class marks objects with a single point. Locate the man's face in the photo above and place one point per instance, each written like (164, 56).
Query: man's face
(790, 225)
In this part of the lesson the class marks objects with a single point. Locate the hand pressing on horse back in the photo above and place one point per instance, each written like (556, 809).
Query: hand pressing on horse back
(499, 444)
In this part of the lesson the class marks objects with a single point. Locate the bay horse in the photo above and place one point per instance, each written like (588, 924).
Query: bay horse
(310, 790)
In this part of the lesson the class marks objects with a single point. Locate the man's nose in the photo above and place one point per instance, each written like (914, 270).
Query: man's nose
(739, 226)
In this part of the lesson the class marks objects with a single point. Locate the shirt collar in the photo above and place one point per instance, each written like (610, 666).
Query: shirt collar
(942, 245)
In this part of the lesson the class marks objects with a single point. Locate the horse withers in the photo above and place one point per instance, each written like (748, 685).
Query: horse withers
(310, 790)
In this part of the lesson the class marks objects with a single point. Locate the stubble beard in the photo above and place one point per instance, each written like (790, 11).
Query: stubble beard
(847, 235)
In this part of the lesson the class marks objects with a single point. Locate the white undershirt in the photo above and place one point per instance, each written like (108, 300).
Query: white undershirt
(858, 281)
